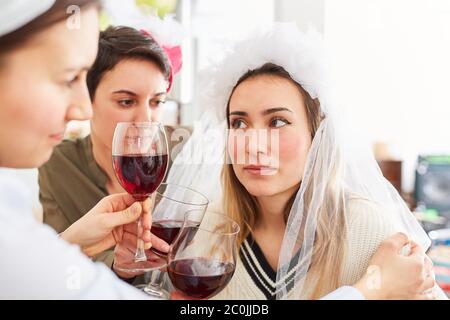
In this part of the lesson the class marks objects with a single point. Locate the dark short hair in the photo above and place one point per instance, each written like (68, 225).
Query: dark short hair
(119, 43)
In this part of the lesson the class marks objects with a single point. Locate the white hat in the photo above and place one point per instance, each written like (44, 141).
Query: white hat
(17, 13)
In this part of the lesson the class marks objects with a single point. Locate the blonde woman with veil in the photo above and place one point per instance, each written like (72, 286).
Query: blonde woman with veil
(313, 208)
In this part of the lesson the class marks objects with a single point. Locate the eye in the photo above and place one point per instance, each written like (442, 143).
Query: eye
(278, 123)
(79, 77)
(72, 81)
(238, 124)
(157, 103)
(127, 102)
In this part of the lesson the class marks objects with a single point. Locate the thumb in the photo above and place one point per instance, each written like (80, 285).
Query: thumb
(130, 214)
(398, 241)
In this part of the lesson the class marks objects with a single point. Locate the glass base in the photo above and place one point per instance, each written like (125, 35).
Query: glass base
(153, 262)
(154, 291)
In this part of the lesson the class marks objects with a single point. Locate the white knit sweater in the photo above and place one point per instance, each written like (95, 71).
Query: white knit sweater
(367, 226)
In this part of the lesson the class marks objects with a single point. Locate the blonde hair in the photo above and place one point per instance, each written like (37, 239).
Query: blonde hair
(329, 248)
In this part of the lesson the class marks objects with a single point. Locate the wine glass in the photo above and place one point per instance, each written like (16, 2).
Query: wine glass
(171, 204)
(140, 159)
(202, 260)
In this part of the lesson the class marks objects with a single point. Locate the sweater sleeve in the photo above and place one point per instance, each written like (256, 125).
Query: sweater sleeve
(368, 224)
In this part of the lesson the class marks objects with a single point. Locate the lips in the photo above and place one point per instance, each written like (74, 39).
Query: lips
(57, 136)
(260, 170)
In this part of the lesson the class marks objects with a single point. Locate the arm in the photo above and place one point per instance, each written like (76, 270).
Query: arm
(55, 217)
(345, 293)
(373, 262)
(392, 275)
(52, 214)
(54, 269)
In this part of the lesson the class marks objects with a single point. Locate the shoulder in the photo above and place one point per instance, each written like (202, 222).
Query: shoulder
(368, 224)
(73, 150)
(15, 198)
(361, 211)
(69, 152)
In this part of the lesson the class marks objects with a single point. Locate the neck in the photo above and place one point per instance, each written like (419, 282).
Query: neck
(272, 210)
(102, 155)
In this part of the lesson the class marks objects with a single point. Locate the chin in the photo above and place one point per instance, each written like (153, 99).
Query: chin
(42, 158)
(28, 159)
(260, 189)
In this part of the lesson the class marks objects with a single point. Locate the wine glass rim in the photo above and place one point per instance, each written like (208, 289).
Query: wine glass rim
(181, 201)
(234, 224)
(140, 123)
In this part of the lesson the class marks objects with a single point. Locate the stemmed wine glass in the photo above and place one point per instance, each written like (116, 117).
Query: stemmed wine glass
(140, 159)
(171, 204)
(202, 260)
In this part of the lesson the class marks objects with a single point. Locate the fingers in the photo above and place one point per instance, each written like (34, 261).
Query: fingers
(413, 244)
(149, 239)
(116, 202)
(147, 220)
(148, 204)
(396, 242)
(177, 295)
(428, 295)
(122, 255)
(131, 228)
(159, 244)
(129, 241)
(126, 247)
(126, 216)
(147, 208)
(126, 210)
(428, 266)
(147, 236)
(428, 275)
(416, 249)
(424, 267)
(428, 284)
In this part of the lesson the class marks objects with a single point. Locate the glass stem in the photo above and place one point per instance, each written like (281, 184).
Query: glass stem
(140, 251)
(154, 286)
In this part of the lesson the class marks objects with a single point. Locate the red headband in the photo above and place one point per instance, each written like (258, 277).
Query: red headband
(174, 55)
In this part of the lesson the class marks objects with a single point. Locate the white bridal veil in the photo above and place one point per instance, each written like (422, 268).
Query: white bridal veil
(335, 163)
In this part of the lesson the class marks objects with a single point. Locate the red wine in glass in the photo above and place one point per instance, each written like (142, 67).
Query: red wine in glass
(200, 278)
(140, 175)
(168, 230)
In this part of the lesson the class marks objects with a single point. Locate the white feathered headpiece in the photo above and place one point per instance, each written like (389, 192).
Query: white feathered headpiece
(302, 54)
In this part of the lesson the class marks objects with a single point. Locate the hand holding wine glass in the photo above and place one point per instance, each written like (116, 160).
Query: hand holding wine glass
(140, 158)
(107, 223)
(124, 251)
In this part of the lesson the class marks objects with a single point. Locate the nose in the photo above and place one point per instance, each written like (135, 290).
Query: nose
(257, 146)
(143, 113)
(80, 107)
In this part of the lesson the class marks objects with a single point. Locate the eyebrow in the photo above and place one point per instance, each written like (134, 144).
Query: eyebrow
(265, 112)
(160, 94)
(85, 68)
(131, 93)
(273, 110)
(238, 113)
